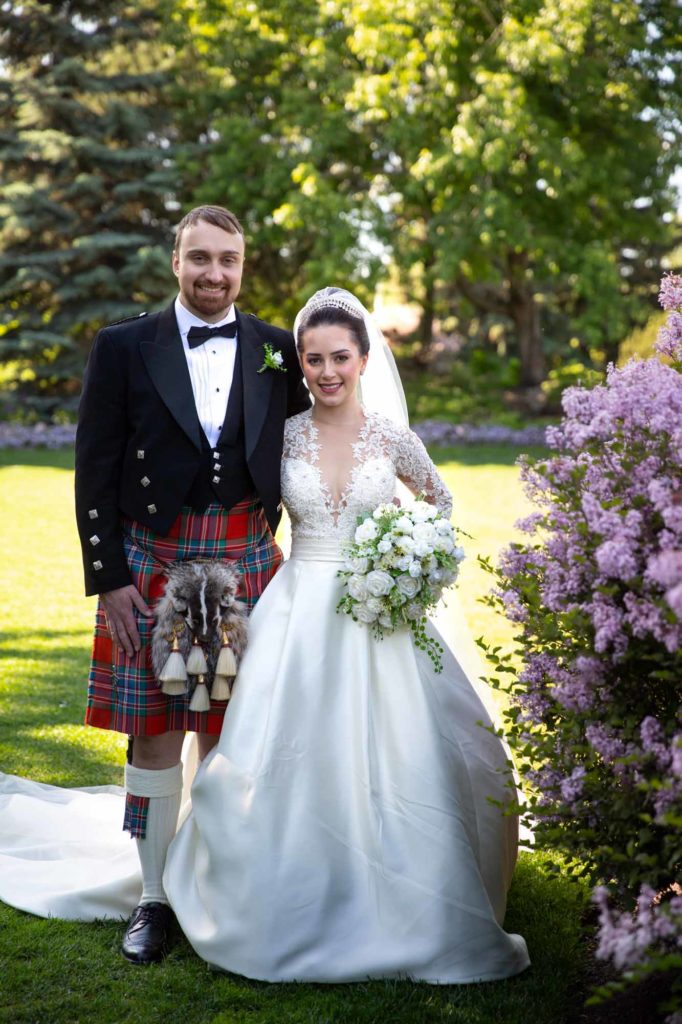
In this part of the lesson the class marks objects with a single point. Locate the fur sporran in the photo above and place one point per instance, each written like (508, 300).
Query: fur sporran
(200, 632)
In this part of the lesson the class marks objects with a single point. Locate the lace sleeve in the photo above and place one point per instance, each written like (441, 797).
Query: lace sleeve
(416, 470)
(295, 435)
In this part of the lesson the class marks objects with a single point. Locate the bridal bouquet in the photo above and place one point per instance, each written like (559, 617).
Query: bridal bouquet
(397, 568)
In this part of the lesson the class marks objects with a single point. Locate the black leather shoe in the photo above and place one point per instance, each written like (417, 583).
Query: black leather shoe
(149, 932)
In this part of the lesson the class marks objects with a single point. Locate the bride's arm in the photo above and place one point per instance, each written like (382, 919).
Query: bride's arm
(414, 467)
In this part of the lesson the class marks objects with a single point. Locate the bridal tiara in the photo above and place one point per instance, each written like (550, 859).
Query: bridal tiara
(336, 301)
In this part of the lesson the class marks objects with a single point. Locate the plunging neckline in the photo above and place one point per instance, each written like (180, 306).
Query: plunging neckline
(335, 508)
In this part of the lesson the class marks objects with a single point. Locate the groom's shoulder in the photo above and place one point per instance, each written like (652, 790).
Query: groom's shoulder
(129, 327)
(279, 334)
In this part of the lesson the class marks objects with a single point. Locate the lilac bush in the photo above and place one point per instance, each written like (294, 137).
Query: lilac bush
(595, 712)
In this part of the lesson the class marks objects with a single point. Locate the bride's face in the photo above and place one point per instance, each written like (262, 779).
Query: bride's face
(332, 364)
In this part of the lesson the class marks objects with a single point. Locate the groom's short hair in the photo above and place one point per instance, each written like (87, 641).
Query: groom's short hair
(217, 215)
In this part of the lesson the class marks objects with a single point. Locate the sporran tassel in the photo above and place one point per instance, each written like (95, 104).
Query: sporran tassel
(221, 688)
(226, 664)
(173, 676)
(196, 661)
(200, 700)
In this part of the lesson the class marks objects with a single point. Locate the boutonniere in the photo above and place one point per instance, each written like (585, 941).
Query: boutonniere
(273, 360)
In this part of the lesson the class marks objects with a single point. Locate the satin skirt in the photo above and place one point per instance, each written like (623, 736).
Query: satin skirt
(343, 828)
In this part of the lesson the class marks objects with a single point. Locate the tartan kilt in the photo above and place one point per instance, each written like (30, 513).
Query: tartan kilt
(123, 693)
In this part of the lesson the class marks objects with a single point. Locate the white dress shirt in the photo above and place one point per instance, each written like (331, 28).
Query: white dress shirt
(211, 368)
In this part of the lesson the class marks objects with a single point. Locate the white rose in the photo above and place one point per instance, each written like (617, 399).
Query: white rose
(386, 621)
(409, 586)
(424, 532)
(358, 564)
(435, 576)
(357, 587)
(444, 543)
(366, 531)
(375, 605)
(384, 545)
(363, 613)
(414, 610)
(420, 512)
(405, 544)
(448, 577)
(443, 526)
(459, 554)
(379, 583)
(403, 524)
(415, 569)
(382, 510)
(403, 563)
(422, 549)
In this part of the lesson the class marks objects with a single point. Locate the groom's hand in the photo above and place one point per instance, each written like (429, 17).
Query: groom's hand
(118, 609)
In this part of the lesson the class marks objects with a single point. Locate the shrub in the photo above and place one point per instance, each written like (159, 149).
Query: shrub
(595, 716)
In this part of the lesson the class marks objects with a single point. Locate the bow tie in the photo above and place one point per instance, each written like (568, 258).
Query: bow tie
(198, 335)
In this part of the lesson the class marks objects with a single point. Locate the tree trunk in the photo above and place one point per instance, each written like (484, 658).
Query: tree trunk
(428, 305)
(426, 320)
(526, 317)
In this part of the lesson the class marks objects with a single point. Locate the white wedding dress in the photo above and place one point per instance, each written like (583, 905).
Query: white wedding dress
(343, 828)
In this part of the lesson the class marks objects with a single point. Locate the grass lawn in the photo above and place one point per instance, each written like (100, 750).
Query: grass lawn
(52, 971)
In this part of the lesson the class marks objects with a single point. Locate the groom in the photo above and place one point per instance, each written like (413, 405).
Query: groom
(178, 455)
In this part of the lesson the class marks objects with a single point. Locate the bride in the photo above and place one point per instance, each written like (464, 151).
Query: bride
(347, 824)
(341, 829)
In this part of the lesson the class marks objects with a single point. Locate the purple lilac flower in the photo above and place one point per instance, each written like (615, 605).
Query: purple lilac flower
(669, 340)
(616, 558)
(572, 787)
(602, 740)
(665, 568)
(670, 293)
(513, 605)
(581, 684)
(627, 938)
(608, 625)
(646, 617)
(674, 599)
(676, 755)
(653, 741)
(666, 799)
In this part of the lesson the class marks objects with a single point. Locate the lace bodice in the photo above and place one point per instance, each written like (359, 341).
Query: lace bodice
(382, 453)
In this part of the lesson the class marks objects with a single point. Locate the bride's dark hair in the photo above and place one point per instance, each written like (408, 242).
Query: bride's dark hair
(333, 316)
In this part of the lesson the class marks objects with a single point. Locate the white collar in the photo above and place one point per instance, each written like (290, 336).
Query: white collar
(186, 319)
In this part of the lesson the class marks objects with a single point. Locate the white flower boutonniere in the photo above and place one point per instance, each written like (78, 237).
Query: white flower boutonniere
(273, 360)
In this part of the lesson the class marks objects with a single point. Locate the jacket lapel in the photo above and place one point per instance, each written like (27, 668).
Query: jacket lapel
(257, 386)
(167, 366)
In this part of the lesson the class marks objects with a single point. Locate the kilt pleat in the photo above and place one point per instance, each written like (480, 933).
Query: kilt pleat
(123, 694)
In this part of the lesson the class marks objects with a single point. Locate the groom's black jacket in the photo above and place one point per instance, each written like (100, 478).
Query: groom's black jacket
(140, 450)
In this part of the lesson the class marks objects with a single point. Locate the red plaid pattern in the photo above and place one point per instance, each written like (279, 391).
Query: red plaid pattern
(123, 694)
(135, 817)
